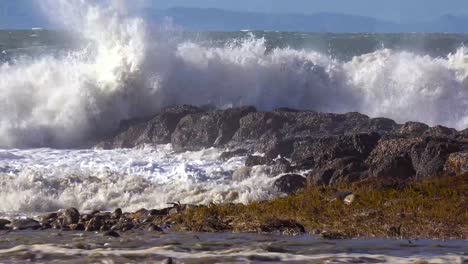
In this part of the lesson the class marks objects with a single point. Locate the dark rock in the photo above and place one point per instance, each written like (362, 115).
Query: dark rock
(342, 170)
(254, 125)
(117, 214)
(231, 154)
(273, 145)
(49, 218)
(324, 149)
(429, 156)
(290, 183)
(157, 130)
(111, 233)
(414, 129)
(162, 212)
(457, 164)
(255, 161)
(86, 217)
(23, 224)
(154, 228)
(441, 131)
(71, 216)
(286, 227)
(464, 134)
(3, 223)
(391, 159)
(203, 130)
(280, 166)
(123, 225)
(77, 227)
(333, 235)
(95, 223)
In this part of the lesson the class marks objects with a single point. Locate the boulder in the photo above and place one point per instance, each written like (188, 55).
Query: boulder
(429, 156)
(203, 130)
(457, 164)
(341, 170)
(255, 161)
(290, 183)
(324, 149)
(95, 223)
(280, 166)
(156, 130)
(234, 153)
(256, 124)
(391, 158)
(70, 216)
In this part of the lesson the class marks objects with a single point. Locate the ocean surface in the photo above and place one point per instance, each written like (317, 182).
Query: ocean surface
(62, 91)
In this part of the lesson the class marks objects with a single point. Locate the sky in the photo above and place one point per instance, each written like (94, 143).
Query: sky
(393, 10)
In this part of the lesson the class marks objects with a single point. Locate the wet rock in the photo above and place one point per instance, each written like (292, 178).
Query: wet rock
(95, 223)
(290, 183)
(324, 149)
(3, 223)
(123, 225)
(70, 216)
(255, 161)
(154, 228)
(231, 154)
(49, 218)
(457, 164)
(241, 174)
(117, 214)
(280, 166)
(254, 125)
(23, 224)
(202, 130)
(86, 217)
(111, 233)
(77, 227)
(274, 145)
(333, 235)
(156, 130)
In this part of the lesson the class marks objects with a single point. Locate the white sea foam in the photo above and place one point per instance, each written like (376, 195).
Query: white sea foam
(122, 72)
(40, 180)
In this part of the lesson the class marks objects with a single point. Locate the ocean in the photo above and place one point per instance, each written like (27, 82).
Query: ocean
(63, 91)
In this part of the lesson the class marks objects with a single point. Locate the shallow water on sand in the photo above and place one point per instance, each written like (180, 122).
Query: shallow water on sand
(136, 247)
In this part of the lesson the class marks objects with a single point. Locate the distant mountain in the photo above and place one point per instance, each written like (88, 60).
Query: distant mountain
(22, 14)
(223, 20)
(206, 19)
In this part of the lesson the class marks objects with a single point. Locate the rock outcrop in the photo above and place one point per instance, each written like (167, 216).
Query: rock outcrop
(326, 148)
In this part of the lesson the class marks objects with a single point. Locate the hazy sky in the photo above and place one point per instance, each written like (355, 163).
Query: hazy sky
(396, 10)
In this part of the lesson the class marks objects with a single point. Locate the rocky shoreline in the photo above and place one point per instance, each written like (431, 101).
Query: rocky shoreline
(345, 175)
(323, 148)
(434, 208)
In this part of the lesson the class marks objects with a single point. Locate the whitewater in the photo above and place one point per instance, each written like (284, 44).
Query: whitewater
(54, 105)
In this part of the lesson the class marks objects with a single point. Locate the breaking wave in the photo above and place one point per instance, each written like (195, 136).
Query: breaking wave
(122, 71)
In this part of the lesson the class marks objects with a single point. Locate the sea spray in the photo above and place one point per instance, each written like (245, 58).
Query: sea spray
(121, 71)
